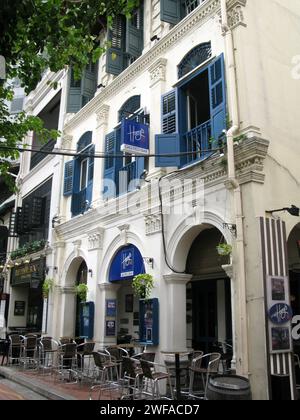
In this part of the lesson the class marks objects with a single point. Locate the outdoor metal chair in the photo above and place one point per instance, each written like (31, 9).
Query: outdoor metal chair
(131, 380)
(152, 374)
(67, 362)
(48, 353)
(14, 351)
(29, 352)
(205, 366)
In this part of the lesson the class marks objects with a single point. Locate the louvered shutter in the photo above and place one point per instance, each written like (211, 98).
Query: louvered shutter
(75, 205)
(171, 11)
(89, 83)
(37, 212)
(169, 112)
(68, 178)
(169, 141)
(217, 98)
(135, 34)
(89, 188)
(74, 94)
(115, 59)
(112, 165)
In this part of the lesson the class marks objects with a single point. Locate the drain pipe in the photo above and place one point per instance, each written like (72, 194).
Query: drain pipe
(243, 356)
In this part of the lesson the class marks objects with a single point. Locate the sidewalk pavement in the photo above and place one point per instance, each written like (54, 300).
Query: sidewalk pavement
(47, 385)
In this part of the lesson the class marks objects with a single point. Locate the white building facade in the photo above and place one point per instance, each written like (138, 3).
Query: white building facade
(215, 84)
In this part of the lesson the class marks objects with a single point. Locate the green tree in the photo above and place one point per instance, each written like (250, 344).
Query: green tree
(39, 34)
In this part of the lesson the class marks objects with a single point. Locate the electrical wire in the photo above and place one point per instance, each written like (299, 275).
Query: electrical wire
(169, 265)
(102, 155)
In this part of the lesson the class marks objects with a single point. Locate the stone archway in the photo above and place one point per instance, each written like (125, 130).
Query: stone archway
(69, 298)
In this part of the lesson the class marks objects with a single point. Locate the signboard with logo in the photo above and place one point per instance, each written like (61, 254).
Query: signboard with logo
(280, 314)
(126, 264)
(134, 137)
(31, 273)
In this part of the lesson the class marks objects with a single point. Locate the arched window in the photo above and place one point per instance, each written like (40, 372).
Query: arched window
(194, 58)
(84, 141)
(129, 107)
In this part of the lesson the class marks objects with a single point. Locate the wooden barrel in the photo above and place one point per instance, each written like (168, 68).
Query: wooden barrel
(228, 387)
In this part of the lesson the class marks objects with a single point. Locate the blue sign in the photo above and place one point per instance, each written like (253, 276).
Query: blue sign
(281, 313)
(134, 137)
(111, 307)
(126, 264)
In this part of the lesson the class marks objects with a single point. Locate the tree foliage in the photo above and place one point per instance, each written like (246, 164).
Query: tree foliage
(36, 35)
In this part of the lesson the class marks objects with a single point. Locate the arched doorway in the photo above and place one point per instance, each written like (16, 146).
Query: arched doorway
(208, 294)
(124, 322)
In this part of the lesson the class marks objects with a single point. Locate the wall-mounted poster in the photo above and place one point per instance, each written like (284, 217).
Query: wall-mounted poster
(19, 308)
(110, 328)
(278, 288)
(111, 307)
(281, 339)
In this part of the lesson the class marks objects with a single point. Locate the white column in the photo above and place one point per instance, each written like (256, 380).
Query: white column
(157, 73)
(229, 271)
(106, 291)
(101, 131)
(174, 312)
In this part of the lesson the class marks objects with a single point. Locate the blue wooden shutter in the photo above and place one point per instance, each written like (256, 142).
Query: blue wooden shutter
(167, 144)
(68, 179)
(109, 162)
(89, 189)
(171, 11)
(76, 185)
(134, 34)
(169, 112)
(169, 141)
(217, 98)
(115, 59)
(89, 83)
(74, 93)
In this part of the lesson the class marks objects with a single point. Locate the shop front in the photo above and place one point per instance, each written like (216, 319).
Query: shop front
(26, 301)
(122, 312)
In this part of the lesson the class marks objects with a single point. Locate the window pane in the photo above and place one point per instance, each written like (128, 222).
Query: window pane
(83, 174)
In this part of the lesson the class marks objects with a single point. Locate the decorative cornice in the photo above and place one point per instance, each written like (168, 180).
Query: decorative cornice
(43, 89)
(109, 287)
(199, 16)
(175, 278)
(157, 71)
(66, 290)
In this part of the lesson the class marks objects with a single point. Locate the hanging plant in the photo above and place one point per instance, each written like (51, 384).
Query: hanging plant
(142, 285)
(47, 287)
(224, 249)
(81, 291)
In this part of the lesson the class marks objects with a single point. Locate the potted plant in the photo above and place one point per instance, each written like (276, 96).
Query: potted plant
(47, 287)
(142, 285)
(224, 249)
(81, 291)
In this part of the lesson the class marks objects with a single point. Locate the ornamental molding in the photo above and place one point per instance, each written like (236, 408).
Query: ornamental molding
(77, 245)
(95, 239)
(66, 141)
(157, 71)
(124, 230)
(102, 115)
(235, 14)
(152, 224)
(192, 21)
(66, 290)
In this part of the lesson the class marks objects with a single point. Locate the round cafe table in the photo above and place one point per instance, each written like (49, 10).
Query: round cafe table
(177, 355)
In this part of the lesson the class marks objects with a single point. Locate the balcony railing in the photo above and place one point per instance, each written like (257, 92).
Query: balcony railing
(37, 157)
(197, 141)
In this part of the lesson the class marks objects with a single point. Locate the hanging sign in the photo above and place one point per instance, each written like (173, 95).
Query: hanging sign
(134, 137)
